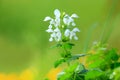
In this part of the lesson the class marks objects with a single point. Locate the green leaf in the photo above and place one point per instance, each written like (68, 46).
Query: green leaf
(72, 67)
(113, 55)
(66, 55)
(76, 56)
(79, 68)
(68, 45)
(57, 45)
(93, 74)
(66, 76)
(115, 65)
(58, 62)
(68, 73)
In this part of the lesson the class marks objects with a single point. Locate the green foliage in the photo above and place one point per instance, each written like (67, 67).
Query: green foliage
(58, 62)
(93, 74)
(102, 64)
(73, 72)
(75, 57)
(105, 60)
(112, 54)
(56, 45)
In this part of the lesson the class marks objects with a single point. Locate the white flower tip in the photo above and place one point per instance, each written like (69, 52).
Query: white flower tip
(50, 26)
(47, 18)
(67, 32)
(76, 30)
(76, 38)
(57, 13)
(74, 16)
(49, 30)
(51, 39)
(73, 24)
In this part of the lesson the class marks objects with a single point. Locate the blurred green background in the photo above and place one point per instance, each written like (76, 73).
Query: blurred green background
(24, 42)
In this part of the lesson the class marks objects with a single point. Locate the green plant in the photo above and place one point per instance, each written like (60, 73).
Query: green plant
(102, 64)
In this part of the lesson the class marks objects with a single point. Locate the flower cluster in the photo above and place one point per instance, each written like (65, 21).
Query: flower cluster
(62, 26)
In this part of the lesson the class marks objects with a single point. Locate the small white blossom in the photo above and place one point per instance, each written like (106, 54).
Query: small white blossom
(49, 30)
(55, 34)
(67, 32)
(76, 30)
(50, 26)
(71, 34)
(51, 39)
(56, 21)
(58, 34)
(57, 18)
(57, 13)
(47, 18)
(69, 20)
(56, 29)
(52, 22)
(74, 16)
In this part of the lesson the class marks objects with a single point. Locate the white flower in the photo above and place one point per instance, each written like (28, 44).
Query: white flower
(50, 26)
(52, 36)
(49, 30)
(51, 39)
(76, 30)
(47, 18)
(57, 17)
(58, 34)
(69, 20)
(57, 13)
(67, 32)
(55, 34)
(74, 16)
(56, 29)
(56, 21)
(71, 34)
(52, 22)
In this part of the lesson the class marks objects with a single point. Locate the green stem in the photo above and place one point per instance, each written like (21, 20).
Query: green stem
(75, 76)
(66, 53)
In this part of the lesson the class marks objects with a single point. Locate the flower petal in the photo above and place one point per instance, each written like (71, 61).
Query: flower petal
(57, 30)
(57, 13)
(53, 35)
(49, 30)
(73, 24)
(75, 37)
(50, 26)
(52, 21)
(67, 32)
(51, 39)
(75, 30)
(47, 18)
(74, 16)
